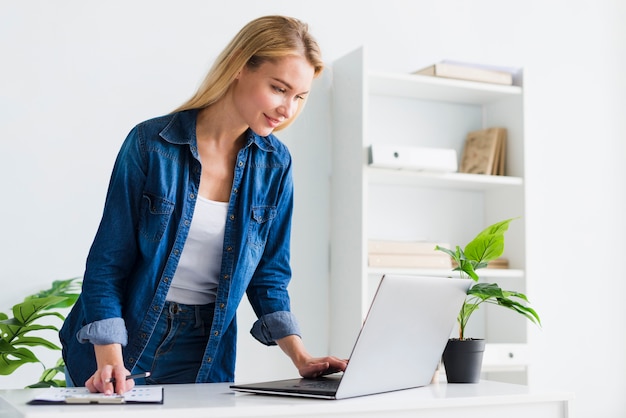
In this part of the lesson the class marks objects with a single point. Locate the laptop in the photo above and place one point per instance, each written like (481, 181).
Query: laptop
(399, 346)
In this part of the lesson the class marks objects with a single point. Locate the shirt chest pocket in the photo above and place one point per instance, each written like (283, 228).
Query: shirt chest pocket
(155, 215)
(260, 224)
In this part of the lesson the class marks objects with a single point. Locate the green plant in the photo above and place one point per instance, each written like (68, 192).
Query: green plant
(486, 246)
(30, 319)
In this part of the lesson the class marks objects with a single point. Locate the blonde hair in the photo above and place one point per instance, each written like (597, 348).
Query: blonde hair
(267, 38)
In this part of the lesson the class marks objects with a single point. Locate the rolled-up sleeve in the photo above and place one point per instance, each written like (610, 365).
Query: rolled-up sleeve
(106, 331)
(274, 326)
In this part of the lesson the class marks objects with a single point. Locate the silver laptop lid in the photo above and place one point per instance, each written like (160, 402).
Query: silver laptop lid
(404, 334)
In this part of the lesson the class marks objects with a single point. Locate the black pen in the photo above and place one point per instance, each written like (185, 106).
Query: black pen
(130, 376)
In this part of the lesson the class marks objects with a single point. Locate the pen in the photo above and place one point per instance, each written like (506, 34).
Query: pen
(130, 376)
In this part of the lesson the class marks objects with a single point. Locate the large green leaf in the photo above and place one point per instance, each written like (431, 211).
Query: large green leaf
(36, 342)
(68, 289)
(27, 311)
(10, 361)
(489, 243)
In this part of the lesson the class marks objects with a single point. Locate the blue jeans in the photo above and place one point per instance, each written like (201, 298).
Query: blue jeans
(175, 349)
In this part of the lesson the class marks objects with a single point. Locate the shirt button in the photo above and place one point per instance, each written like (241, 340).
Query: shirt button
(229, 248)
(186, 223)
(232, 217)
(222, 306)
(240, 163)
(209, 360)
(155, 308)
(216, 333)
(192, 196)
(166, 279)
(226, 277)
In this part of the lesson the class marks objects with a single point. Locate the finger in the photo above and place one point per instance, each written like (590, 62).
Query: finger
(130, 384)
(317, 369)
(121, 384)
(90, 386)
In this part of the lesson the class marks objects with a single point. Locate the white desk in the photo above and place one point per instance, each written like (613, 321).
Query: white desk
(484, 400)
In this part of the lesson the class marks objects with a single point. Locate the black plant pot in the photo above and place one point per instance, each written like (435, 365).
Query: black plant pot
(463, 360)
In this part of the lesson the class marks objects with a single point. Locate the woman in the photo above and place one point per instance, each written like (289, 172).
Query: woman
(198, 211)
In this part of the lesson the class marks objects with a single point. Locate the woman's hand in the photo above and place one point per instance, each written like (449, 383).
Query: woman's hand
(307, 365)
(110, 365)
(316, 367)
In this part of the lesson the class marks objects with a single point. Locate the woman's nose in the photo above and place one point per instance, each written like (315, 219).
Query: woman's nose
(288, 108)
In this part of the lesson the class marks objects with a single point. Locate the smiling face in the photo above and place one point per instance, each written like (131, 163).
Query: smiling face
(267, 96)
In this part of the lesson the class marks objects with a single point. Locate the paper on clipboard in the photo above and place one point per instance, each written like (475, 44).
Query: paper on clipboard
(139, 394)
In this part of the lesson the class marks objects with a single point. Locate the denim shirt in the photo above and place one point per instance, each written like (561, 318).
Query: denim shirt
(147, 214)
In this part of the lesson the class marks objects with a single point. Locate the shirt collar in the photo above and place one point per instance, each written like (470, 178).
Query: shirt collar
(182, 130)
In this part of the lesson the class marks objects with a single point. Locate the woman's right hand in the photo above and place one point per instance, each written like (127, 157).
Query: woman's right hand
(110, 365)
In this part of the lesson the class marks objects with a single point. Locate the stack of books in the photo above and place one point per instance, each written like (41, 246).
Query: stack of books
(484, 152)
(471, 72)
(407, 254)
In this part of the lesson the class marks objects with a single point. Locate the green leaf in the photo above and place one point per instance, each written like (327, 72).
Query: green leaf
(446, 250)
(10, 361)
(36, 342)
(468, 268)
(69, 288)
(26, 311)
(489, 243)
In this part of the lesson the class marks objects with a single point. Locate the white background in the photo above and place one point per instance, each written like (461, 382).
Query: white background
(75, 76)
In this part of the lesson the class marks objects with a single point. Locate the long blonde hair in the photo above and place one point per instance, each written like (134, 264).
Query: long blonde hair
(267, 38)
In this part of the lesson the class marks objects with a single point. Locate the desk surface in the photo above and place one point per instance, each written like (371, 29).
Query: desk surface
(485, 399)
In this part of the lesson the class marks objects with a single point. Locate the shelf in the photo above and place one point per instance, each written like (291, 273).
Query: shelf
(483, 273)
(439, 89)
(434, 179)
(409, 110)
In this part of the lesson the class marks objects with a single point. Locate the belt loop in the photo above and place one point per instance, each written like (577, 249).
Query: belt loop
(199, 320)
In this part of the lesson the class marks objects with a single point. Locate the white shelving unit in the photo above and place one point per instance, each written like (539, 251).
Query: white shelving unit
(373, 203)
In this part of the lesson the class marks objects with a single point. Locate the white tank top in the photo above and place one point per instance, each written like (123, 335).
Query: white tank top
(197, 275)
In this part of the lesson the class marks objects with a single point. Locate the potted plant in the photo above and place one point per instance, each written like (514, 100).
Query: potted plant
(28, 327)
(462, 356)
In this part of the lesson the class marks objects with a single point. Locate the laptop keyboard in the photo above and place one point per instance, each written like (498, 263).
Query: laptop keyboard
(323, 383)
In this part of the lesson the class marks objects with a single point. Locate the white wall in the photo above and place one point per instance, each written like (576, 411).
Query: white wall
(75, 76)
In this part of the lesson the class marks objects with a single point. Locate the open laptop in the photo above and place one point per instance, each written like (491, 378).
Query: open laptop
(399, 345)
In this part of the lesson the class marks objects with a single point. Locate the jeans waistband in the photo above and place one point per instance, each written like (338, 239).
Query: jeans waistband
(197, 313)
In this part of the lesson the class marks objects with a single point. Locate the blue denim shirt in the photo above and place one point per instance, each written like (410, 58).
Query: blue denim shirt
(147, 214)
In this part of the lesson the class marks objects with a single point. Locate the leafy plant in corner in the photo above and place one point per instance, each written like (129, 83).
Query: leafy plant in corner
(486, 246)
(30, 319)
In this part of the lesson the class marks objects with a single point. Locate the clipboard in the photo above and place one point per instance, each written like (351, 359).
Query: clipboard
(81, 396)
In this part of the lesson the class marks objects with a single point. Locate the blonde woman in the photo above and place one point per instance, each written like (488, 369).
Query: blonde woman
(198, 212)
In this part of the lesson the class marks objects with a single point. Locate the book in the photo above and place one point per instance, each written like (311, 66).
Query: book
(410, 261)
(484, 152)
(498, 163)
(466, 71)
(375, 246)
(498, 263)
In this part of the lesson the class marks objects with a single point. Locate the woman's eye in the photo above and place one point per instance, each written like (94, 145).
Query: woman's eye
(279, 89)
